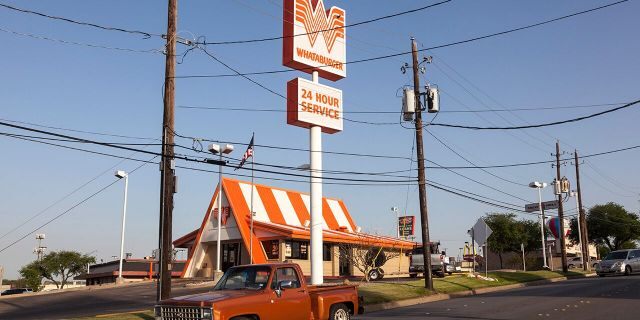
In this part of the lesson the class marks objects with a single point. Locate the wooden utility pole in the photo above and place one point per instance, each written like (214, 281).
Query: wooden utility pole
(563, 248)
(422, 186)
(582, 220)
(167, 185)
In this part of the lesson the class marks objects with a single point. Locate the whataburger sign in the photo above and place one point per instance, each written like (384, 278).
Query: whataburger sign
(314, 40)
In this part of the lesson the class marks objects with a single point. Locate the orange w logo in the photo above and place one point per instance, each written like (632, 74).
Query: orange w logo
(316, 21)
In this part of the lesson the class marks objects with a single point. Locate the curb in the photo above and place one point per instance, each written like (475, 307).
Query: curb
(446, 296)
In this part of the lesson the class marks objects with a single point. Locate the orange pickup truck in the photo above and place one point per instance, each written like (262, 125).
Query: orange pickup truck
(263, 292)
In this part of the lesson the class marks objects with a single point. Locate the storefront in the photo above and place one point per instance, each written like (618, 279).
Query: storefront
(280, 233)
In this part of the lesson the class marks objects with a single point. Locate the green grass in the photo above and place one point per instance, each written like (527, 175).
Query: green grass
(377, 292)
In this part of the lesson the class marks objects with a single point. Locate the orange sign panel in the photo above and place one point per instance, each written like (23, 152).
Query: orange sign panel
(314, 38)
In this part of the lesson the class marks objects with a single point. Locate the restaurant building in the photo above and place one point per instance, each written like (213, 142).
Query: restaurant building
(280, 232)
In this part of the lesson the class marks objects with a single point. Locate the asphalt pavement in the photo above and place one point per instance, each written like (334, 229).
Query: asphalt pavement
(73, 304)
(609, 298)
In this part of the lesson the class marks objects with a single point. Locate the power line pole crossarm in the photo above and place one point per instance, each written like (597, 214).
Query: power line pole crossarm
(167, 187)
(422, 187)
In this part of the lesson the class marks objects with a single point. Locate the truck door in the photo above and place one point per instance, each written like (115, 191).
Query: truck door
(293, 303)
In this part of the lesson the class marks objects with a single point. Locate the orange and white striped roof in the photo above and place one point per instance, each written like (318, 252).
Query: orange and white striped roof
(289, 207)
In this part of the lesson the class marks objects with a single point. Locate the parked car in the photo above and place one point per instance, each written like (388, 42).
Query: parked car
(265, 291)
(9, 292)
(574, 262)
(619, 262)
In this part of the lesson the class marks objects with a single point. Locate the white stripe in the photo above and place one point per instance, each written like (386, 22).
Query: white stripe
(307, 199)
(340, 216)
(289, 214)
(258, 206)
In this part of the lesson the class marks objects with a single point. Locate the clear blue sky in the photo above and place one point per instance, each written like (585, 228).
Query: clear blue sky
(589, 59)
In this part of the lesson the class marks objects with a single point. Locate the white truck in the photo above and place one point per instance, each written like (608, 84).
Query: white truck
(439, 261)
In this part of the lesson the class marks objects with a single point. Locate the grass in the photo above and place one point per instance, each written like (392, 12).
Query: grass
(377, 292)
(390, 290)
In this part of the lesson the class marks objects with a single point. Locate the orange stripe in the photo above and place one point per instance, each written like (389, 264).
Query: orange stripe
(299, 207)
(270, 204)
(328, 216)
(346, 214)
(240, 211)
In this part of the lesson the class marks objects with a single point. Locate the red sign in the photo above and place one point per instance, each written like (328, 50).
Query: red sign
(314, 38)
(406, 226)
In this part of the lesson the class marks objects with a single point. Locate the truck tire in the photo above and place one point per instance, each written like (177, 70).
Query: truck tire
(413, 275)
(375, 275)
(627, 271)
(339, 312)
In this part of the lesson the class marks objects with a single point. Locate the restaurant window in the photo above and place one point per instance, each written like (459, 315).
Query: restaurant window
(297, 249)
(326, 252)
(272, 249)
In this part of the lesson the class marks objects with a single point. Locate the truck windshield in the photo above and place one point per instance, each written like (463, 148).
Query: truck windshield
(616, 255)
(252, 278)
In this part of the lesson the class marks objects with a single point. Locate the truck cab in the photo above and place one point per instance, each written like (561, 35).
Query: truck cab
(264, 291)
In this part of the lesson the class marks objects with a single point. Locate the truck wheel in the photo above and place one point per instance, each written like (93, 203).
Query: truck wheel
(627, 271)
(374, 275)
(339, 312)
(413, 275)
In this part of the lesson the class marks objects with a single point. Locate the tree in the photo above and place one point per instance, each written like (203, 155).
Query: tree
(58, 267)
(32, 276)
(610, 225)
(366, 254)
(507, 233)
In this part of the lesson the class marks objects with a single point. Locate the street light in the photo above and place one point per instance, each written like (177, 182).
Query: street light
(121, 174)
(219, 150)
(575, 194)
(539, 186)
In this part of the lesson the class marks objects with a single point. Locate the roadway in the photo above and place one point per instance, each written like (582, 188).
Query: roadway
(609, 298)
(73, 304)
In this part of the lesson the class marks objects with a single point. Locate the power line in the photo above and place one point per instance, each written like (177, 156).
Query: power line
(330, 29)
(420, 50)
(72, 207)
(82, 23)
(537, 125)
(75, 43)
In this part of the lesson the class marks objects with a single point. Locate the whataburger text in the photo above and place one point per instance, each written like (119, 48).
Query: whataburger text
(312, 104)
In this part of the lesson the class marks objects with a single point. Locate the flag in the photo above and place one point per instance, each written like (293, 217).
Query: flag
(247, 154)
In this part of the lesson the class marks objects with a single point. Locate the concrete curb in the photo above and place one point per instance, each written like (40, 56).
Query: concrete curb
(468, 293)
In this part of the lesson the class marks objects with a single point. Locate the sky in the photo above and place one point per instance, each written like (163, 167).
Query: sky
(589, 59)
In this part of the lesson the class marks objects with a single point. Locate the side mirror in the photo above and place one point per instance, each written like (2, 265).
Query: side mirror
(284, 284)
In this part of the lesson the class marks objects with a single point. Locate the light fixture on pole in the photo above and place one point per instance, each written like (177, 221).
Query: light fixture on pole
(122, 174)
(540, 186)
(219, 150)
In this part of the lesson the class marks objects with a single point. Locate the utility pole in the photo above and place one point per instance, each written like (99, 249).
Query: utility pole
(39, 250)
(582, 220)
(167, 184)
(422, 186)
(563, 247)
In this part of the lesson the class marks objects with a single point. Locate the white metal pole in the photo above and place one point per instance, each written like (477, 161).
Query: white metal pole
(124, 220)
(524, 261)
(315, 141)
(544, 253)
(219, 200)
(579, 231)
(251, 207)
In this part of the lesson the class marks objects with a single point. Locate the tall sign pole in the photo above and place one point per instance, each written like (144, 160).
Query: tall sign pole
(167, 188)
(317, 47)
(422, 187)
(582, 220)
(561, 234)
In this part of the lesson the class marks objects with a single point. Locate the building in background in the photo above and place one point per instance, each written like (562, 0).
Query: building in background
(132, 270)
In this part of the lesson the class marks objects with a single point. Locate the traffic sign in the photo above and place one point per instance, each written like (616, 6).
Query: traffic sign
(547, 205)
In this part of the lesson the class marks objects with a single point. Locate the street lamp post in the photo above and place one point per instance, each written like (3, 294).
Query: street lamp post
(217, 149)
(575, 194)
(122, 174)
(539, 186)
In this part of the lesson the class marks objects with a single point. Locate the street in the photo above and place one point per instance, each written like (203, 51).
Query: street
(591, 298)
(88, 303)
